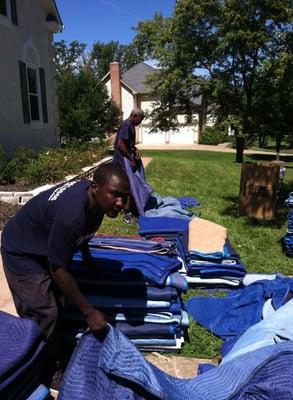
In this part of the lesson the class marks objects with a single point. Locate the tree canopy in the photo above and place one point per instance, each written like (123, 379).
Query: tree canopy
(85, 109)
(223, 49)
(84, 106)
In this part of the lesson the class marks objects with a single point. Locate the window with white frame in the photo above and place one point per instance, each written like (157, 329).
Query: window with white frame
(8, 12)
(33, 94)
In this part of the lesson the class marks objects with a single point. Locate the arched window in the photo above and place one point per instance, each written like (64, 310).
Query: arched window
(33, 86)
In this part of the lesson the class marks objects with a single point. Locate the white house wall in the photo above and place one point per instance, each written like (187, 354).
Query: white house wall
(127, 102)
(186, 134)
(29, 38)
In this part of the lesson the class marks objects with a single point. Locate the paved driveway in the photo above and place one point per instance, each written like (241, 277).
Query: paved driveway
(6, 302)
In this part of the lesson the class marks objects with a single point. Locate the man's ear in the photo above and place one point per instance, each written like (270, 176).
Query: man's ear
(95, 187)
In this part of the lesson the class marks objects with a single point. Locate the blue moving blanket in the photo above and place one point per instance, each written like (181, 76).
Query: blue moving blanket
(187, 202)
(157, 225)
(168, 206)
(154, 268)
(232, 315)
(20, 344)
(141, 191)
(140, 292)
(131, 244)
(115, 369)
(277, 327)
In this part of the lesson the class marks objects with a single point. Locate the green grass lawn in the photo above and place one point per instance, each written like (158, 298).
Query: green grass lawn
(214, 179)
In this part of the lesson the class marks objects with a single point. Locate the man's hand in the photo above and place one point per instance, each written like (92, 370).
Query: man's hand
(133, 165)
(96, 321)
(137, 155)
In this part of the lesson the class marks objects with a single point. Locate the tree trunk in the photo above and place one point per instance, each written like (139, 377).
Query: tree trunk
(239, 149)
(278, 146)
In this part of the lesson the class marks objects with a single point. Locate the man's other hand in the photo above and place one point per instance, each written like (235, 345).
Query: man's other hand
(97, 322)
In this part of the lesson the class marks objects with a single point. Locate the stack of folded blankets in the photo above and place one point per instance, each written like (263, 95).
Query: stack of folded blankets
(288, 238)
(208, 259)
(21, 348)
(211, 259)
(136, 283)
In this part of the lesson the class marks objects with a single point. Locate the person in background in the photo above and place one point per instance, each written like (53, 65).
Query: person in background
(124, 147)
(38, 244)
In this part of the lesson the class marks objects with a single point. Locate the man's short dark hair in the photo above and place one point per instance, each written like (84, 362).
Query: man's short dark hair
(105, 170)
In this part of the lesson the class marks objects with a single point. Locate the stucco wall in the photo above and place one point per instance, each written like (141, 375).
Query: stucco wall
(30, 42)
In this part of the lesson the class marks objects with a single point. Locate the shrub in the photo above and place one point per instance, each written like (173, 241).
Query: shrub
(209, 136)
(21, 160)
(5, 176)
(51, 165)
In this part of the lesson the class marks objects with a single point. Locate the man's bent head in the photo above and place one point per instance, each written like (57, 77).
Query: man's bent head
(110, 189)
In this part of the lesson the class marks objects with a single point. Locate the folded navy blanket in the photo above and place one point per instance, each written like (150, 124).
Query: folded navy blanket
(131, 244)
(20, 343)
(179, 240)
(115, 369)
(127, 291)
(230, 316)
(148, 330)
(156, 225)
(154, 268)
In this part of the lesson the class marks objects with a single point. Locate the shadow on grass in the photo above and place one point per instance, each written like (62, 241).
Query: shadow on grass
(269, 157)
(277, 222)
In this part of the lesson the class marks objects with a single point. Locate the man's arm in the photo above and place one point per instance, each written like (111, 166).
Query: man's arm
(87, 257)
(96, 320)
(86, 254)
(124, 151)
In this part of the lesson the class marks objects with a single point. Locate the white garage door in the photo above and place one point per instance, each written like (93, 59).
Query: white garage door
(152, 137)
(185, 135)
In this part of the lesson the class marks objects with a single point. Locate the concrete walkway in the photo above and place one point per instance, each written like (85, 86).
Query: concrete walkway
(6, 302)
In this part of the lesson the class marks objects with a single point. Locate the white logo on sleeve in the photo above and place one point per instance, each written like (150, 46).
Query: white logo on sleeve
(57, 192)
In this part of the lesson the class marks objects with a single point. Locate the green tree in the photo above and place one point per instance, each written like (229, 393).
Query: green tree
(227, 42)
(68, 58)
(273, 101)
(84, 106)
(103, 54)
(85, 109)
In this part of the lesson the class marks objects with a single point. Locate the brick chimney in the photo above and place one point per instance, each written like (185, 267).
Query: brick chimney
(115, 74)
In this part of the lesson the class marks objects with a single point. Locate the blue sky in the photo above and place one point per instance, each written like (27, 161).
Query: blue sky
(105, 20)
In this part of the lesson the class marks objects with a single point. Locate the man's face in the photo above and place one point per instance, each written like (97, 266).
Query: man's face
(111, 198)
(137, 119)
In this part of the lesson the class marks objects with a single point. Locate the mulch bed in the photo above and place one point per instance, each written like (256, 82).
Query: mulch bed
(6, 212)
(17, 187)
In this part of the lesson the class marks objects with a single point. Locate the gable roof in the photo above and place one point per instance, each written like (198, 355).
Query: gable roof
(136, 75)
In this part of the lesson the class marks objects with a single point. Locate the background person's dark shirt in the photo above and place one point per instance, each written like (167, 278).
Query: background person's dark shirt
(49, 228)
(126, 132)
